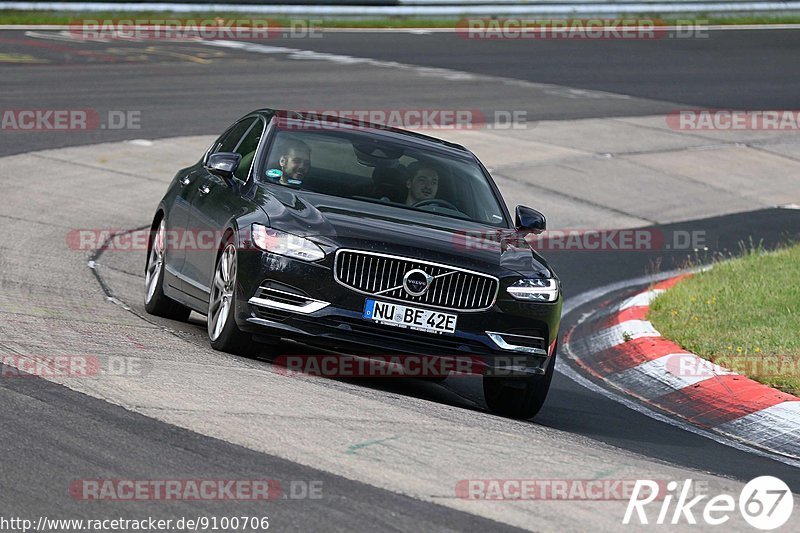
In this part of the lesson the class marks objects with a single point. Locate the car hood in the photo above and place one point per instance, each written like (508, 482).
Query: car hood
(335, 222)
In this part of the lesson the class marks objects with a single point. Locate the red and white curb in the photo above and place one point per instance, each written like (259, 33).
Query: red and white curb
(619, 346)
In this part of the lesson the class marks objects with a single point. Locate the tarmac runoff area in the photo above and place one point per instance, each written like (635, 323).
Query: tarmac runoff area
(596, 173)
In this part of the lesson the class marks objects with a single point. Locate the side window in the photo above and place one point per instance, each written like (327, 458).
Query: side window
(229, 141)
(247, 149)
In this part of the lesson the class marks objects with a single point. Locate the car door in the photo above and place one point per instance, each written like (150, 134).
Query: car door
(214, 205)
(178, 213)
(176, 222)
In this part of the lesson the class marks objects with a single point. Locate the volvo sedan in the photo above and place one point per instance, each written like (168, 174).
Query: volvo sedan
(357, 239)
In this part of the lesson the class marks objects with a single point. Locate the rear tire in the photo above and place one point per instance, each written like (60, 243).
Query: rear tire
(223, 333)
(155, 301)
(518, 397)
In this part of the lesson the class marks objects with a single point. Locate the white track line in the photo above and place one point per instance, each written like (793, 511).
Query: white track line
(442, 73)
(642, 299)
(663, 375)
(772, 426)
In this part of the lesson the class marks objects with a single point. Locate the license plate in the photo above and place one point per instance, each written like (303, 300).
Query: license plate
(404, 316)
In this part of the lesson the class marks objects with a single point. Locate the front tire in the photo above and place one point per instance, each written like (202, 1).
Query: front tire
(223, 333)
(155, 301)
(518, 397)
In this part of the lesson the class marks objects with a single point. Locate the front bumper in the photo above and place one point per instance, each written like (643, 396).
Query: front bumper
(282, 297)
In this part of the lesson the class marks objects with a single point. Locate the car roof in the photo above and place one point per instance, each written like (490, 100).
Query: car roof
(378, 129)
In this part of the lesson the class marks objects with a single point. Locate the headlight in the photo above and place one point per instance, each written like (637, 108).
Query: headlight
(281, 243)
(536, 290)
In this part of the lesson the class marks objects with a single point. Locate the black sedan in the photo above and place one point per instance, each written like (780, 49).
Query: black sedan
(357, 239)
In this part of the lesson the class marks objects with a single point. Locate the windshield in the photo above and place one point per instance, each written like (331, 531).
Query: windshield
(370, 168)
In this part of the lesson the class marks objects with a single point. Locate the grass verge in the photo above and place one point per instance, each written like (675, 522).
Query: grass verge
(743, 314)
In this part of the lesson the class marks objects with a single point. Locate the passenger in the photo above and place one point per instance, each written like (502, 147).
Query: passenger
(295, 162)
(422, 182)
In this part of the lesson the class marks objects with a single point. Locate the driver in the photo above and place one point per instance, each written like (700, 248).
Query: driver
(422, 182)
(295, 162)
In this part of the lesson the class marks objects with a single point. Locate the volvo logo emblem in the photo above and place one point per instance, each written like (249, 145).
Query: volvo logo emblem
(416, 282)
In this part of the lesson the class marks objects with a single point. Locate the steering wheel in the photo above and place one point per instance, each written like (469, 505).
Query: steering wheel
(430, 201)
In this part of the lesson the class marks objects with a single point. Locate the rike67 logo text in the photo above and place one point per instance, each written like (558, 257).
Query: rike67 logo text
(765, 503)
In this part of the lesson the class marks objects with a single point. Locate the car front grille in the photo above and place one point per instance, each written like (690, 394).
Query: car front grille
(382, 275)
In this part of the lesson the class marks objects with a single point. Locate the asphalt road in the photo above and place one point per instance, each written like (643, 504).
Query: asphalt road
(570, 407)
(53, 434)
(717, 69)
(188, 88)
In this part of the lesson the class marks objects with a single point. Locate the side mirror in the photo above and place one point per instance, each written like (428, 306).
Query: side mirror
(530, 220)
(223, 164)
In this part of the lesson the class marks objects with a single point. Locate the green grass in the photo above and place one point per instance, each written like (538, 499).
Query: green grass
(743, 314)
(65, 17)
